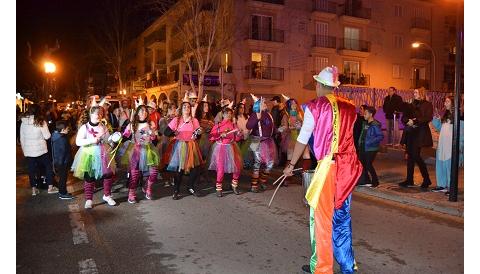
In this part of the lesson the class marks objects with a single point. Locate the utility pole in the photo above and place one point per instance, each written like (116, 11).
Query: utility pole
(456, 116)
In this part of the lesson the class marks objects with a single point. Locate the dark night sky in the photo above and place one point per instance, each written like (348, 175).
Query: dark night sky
(42, 22)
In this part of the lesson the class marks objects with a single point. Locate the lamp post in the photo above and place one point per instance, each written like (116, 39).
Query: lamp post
(417, 45)
(50, 69)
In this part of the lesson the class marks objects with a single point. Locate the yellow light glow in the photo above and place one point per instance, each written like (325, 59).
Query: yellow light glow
(415, 45)
(49, 67)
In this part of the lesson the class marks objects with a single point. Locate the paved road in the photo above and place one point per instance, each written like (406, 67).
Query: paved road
(233, 234)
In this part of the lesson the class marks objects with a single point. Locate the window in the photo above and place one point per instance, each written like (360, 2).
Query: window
(418, 13)
(320, 63)
(262, 27)
(396, 71)
(261, 65)
(398, 11)
(398, 41)
(352, 38)
(351, 68)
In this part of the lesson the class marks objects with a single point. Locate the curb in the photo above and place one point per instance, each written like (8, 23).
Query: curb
(365, 191)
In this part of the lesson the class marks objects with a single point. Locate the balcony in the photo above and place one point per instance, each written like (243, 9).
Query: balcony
(354, 79)
(155, 38)
(260, 75)
(418, 83)
(418, 56)
(270, 40)
(323, 41)
(266, 5)
(275, 35)
(420, 26)
(354, 47)
(323, 9)
(213, 68)
(356, 15)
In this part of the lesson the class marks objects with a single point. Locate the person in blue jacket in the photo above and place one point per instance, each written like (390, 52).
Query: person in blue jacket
(62, 157)
(369, 144)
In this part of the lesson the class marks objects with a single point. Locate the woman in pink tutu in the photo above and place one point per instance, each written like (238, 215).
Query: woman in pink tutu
(225, 156)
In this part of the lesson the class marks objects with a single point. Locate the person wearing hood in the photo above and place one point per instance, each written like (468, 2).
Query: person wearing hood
(62, 157)
(33, 135)
(369, 144)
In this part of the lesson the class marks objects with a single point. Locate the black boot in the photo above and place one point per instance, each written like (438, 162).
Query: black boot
(406, 184)
(235, 190)
(219, 193)
(175, 195)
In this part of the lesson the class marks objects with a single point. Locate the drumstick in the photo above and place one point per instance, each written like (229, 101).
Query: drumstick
(273, 196)
(297, 169)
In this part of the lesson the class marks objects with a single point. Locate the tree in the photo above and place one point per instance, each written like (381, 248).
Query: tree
(205, 29)
(111, 33)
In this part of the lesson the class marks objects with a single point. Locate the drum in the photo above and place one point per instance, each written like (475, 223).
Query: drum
(307, 177)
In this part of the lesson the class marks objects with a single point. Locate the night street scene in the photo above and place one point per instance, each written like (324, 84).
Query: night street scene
(240, 136)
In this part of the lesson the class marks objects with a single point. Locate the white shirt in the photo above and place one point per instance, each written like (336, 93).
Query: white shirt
(307, 127)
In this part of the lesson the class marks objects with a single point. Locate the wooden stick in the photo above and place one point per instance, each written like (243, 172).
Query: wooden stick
(297, 169)
(273, 196)
(279, 178)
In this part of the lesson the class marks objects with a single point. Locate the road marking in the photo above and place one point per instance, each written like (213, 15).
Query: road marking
(88, 266)
(78, 227)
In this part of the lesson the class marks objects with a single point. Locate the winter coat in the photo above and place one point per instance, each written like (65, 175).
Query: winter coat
(61, 150)
(357, 130)
(32, 138)
(372, 135)
(391, 104)
(419, 134)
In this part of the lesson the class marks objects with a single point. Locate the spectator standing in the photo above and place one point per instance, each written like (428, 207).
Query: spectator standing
(369, 143)
(33, 135)
(358, 126)
(391, 104)
(443, 161)
(417, 135)
(277, 114)
(62, 157)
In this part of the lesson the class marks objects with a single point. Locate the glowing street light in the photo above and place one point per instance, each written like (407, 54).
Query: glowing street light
(415, 45)
(49, 67)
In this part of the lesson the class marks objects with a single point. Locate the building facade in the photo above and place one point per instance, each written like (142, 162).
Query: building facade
(280, 44)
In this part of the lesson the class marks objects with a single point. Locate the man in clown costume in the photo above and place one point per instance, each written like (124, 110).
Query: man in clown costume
(330, 120)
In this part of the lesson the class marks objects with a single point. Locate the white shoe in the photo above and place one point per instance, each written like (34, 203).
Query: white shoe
(35, 191)
(88, 204)
(109, 200)
(52, 190)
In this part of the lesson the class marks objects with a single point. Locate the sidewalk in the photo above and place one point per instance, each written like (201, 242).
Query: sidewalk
(391, 169)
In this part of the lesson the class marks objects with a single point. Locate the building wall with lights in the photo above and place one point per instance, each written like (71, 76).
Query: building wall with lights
(280, 44)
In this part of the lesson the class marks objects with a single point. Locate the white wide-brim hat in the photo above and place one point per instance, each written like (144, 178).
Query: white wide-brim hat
(328, 77)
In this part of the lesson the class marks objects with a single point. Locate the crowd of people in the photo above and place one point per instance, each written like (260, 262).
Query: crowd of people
(145, 140)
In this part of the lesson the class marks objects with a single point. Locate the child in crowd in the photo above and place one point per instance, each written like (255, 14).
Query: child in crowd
(62, 157)
(141, 156)
(91, 163)
(369, 144)
(225, 156)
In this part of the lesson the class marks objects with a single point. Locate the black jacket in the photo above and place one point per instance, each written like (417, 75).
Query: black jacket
(419, 135)
(61, 150)
(357, 130)
(391, 104)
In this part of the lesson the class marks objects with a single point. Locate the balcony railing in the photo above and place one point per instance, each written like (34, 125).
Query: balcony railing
(421, 23)
(275, 35)
(325, 6)
(420, 54)
(278, 2)
(357, 12)
(418, 83)
(324, 41)
(354, 44)
(354, 79)
(156, 36)
(266, 73)
(213, 68)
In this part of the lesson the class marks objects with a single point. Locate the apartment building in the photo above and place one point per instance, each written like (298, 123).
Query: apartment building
(280, 44)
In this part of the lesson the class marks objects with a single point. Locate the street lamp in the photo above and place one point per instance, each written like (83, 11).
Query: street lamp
(50, 68)
(417, 45)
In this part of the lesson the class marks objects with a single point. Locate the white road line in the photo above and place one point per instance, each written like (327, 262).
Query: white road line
(88, 266)
(78, 227)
